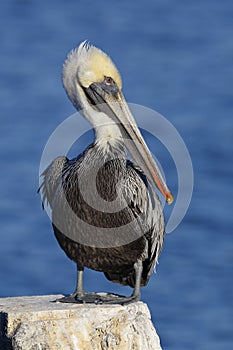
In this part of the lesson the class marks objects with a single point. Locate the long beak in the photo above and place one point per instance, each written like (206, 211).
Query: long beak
(117, 109)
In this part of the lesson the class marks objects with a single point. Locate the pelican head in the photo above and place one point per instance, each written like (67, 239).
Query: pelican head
(94, 86)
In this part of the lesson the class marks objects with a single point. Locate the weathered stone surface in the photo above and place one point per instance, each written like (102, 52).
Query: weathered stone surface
(37, 323)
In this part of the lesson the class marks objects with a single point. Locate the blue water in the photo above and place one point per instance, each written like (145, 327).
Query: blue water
(175, 57)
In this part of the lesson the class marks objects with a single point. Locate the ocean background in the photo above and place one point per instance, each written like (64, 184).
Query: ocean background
(175, 57)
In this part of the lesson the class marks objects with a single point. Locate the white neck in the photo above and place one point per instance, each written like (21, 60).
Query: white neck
(105, 129)
(108, 132)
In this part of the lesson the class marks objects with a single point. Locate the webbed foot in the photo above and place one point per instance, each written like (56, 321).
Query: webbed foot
(98, 298)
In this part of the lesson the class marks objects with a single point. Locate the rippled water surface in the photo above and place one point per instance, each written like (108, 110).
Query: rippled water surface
(176, 58)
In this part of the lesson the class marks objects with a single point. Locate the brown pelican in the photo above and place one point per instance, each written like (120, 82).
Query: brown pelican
(94, 86)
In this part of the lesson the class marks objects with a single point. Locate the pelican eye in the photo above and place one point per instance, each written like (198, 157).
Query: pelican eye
(108, 85)
(108, 81)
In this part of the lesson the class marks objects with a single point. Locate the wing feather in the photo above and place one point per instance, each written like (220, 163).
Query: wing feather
(146, 207)
(51, 177)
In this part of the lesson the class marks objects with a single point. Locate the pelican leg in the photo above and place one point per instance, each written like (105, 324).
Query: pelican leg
(138, 274)
(136, 292)
(79, 296)
(79, 283)
(78, 292)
